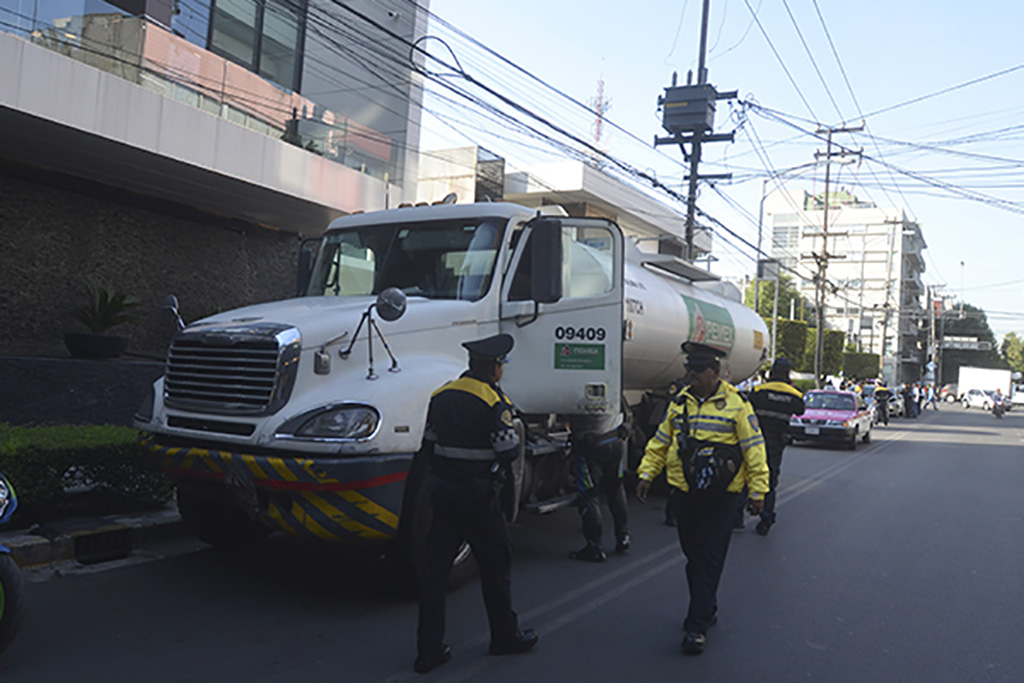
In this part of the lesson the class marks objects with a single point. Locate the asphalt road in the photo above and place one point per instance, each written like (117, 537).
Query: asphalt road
(900, 561)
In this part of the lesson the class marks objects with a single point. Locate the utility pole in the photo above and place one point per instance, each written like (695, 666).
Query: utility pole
(691, 194)
(823, 258)
(688, 114)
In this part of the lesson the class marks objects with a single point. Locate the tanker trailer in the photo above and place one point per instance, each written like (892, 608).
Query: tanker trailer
(308, 415)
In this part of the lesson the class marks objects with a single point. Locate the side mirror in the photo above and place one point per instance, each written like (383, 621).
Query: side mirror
(170, 304)
(305, 270)
(546, 257)
(391, 304)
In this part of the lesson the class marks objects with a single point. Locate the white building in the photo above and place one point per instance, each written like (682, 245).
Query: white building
(874, 271)
(581, 189)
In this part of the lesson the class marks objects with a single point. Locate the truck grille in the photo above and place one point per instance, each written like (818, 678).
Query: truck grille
(232, 370)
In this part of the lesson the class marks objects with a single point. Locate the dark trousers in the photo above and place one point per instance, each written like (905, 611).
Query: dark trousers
(704, 533)
(594, 477)
(463, 513)
(774, 444)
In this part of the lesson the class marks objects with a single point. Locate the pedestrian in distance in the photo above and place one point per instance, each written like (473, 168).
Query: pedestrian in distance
(930, 398)
(599, 464)
(883, 395)
(710, 446)
(471, 422)
(775, 403)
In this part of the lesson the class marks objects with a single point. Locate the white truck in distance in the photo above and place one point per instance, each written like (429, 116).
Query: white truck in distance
(307, 415)
(986, 380)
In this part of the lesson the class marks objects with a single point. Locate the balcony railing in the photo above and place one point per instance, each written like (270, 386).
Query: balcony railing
(142, 52)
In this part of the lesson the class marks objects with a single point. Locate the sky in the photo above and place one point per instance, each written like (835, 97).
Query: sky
(939, 87)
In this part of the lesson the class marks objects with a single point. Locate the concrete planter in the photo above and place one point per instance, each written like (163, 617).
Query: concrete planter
(94, 346)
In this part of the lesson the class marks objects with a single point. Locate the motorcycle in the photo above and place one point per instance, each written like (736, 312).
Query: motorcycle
(12, 587)
(998, 407)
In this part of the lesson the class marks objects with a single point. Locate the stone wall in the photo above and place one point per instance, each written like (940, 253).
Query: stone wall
(58, 231)
(41, 391)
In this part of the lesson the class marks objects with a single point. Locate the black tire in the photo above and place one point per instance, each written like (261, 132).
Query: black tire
(12, 600)
(217, 522)
(867, 437)
(851, 443)
(407, 556)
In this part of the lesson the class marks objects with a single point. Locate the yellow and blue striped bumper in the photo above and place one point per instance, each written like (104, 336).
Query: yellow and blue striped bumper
(352, 500)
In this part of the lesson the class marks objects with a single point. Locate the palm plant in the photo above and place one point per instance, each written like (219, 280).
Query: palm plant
(106, 308)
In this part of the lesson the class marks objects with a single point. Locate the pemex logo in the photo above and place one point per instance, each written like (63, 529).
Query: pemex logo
(710, 324)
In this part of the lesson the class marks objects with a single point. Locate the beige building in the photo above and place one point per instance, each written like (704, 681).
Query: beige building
(583, 190)
(874, 291)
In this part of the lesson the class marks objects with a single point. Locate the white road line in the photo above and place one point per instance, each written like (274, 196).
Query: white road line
(655, 563)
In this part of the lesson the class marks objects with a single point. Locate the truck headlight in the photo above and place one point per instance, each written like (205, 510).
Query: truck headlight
(348, 422)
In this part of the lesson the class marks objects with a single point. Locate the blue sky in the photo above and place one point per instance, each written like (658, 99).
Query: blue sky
(968, 142)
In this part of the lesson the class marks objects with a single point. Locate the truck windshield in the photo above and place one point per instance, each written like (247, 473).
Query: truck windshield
(436, 259)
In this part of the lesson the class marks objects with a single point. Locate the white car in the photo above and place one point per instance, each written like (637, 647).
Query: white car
(1018, 397)
(976, 398)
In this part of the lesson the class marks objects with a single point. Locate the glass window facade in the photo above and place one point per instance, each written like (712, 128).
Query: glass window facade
(264, 36)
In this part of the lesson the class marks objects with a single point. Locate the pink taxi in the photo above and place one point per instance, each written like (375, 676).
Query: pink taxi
(838, 416)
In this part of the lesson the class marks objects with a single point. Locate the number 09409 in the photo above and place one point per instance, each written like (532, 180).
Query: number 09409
(580, 333)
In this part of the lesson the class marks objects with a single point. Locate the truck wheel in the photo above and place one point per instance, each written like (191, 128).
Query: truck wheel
(867, 437)
(851, 443)
(408, 553)
(216, 522)
(12, 600)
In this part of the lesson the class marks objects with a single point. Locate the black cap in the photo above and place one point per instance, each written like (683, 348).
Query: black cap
(780, 369)
(494, 348)
(700, 356)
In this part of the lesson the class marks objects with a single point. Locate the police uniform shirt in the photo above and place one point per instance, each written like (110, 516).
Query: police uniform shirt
(723, 417)
(473, 424)
(775, 402)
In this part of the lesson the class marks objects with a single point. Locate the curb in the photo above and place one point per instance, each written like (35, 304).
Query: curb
(91, 540)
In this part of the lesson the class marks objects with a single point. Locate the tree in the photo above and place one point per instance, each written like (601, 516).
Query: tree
(791, 342)
(1013, 351)
(974, 323)
(831, 351)
(766, 297)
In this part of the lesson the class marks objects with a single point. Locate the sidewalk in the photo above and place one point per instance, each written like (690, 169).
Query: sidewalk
(90, 540)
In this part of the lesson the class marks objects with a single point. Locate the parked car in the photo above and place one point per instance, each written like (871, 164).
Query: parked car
(833, 416)
(948, 393)
(976, 398)
(1018, 397)
(897, 406)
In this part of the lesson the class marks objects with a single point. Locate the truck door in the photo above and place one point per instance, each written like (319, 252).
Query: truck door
(568, 353)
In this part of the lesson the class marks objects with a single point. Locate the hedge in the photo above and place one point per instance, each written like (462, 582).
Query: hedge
(66, 470)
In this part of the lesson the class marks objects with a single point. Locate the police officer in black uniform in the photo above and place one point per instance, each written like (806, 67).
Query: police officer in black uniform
(599, 453)
(775, 402)
(476, 441)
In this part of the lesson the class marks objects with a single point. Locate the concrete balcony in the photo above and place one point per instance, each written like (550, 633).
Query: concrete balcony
(150, 113)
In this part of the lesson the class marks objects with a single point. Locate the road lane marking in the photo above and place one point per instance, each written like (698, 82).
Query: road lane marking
(603, 595)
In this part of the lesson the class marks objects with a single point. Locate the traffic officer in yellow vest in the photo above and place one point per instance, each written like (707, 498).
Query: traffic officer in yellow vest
(775, 402)
(471, 420)
(710, 445)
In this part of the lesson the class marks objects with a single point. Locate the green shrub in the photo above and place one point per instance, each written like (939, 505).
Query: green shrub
(860, 365)
(78, 469)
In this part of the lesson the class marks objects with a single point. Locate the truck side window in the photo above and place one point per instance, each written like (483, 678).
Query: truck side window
(587, 267)
(520, 288)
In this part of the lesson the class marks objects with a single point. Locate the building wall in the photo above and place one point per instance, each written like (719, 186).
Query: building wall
(58, 231)
(877, 262)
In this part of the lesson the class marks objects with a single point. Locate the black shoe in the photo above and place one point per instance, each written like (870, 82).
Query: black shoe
(763, 527)
(591, 553)
(693, 643)
(622, 547)
(424, 665)
(524, 641)
(714, 618)
(670, 520)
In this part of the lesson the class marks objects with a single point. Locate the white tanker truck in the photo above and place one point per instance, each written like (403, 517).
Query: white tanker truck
(307, 415)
